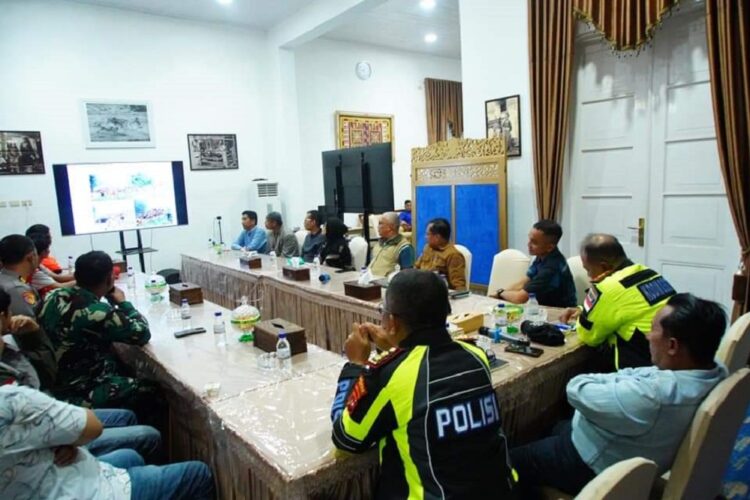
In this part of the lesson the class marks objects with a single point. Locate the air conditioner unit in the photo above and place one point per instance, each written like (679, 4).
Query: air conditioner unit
(265, 198)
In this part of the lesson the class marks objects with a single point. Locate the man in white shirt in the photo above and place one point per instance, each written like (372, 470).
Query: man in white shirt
(41, 456)
(635, 412)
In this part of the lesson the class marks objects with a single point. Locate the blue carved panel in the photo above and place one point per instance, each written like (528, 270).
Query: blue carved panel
(478, 226)
(431, 202)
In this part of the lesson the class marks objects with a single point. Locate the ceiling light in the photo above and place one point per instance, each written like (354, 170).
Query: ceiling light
(427, 4)
(225, 2)
(430, 38)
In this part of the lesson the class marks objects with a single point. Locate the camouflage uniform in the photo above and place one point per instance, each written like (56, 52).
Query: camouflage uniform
(36, 346)
(82, 329)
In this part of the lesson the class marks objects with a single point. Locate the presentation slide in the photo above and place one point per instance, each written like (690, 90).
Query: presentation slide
(122, 196)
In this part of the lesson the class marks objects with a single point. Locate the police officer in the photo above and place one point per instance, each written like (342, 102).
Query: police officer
(428, 401)
(19, 258)
(622, 301)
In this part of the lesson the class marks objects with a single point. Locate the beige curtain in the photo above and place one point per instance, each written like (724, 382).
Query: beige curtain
(728, 34)
(551, 37)
(626, 24)
(444, 106)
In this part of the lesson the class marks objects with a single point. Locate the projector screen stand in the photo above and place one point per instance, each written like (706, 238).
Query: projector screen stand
(139, 250)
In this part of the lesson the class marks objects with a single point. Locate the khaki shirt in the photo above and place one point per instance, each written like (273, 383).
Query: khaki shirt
(447, 261)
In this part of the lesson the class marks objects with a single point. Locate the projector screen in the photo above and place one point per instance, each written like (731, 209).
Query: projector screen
(105, 197)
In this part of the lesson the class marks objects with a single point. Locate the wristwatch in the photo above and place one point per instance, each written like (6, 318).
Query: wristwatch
(500, 293)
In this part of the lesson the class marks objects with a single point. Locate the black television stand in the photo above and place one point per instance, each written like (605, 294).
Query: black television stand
(139, 250)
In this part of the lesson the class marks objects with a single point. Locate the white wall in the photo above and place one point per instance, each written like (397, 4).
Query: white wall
(495, 63)
(199, 77)
(326, 83)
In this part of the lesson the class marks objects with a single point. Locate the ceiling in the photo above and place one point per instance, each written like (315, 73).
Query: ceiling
(398, 24)
(402, 25)
(258, 14)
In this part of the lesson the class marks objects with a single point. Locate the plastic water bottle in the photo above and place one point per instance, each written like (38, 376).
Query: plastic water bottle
(131, 278)
(70, 263)
(185, 313)
(274, 261)
(501, 317)
(532, 309)
(220, 329)
(315, 268)
(284, 351)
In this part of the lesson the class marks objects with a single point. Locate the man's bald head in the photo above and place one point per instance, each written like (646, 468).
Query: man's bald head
(603, 249)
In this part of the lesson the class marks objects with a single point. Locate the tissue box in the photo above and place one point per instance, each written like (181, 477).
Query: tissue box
(364, 292)
(253, 262)
(189, 291)
(297, 273)
(468, 322)
(267, 334)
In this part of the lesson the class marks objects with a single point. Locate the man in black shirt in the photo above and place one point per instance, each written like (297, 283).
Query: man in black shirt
(549, 276)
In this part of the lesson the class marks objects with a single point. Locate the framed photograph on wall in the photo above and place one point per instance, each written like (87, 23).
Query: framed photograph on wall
(117, 124)
(213, 151)
(503, 119)
(21, 153)
(362, 129)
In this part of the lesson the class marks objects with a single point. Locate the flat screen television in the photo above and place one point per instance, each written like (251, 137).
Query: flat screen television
(106, 197)
(347, 174)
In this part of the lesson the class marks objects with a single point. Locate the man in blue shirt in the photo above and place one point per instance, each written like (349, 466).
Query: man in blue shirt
(405, 216)
(252, 237)
(314, 238)
(549, 276)
(636, 412)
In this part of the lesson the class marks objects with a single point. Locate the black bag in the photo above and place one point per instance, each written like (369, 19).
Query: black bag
(544, 334)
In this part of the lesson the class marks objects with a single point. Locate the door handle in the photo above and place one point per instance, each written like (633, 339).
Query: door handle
(641, 227)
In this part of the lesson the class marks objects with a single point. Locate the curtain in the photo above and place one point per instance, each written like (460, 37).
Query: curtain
(551, 38)
(626, 24)
(728, 34)
(444, 106)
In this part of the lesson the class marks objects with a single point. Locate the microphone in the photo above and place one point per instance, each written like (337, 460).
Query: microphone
(221, 238)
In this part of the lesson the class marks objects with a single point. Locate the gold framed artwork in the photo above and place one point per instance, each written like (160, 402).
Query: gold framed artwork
(361, 129)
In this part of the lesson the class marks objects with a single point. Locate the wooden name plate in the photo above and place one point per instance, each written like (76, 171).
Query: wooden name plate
(267, 334)
(189, 291)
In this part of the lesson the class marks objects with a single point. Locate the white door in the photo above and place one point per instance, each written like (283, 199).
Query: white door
(609, 154)
(691, 238)
(643, 146)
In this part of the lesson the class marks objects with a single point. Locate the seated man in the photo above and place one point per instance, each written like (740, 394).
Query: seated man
(82, 329)
(280, 242)
(315, 238)
(440, 255)
(549, 276)
(636, 412)
(49, 262)
(621, 303)
(121, 429)
(42, 279)
(252, 238)
(428, 401)
(19, 258)
(405, 216)
(41, 457)
(392, 249)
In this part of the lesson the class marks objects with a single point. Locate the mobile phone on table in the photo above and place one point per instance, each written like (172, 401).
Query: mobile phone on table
(526, 350)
